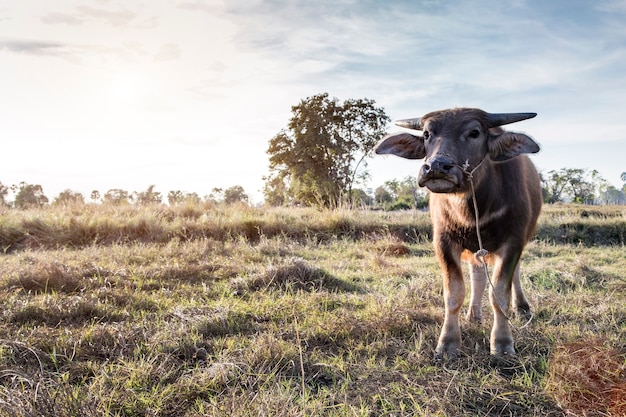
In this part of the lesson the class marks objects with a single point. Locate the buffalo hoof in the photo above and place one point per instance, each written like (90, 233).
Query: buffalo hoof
(449, 351)
(503, 347)
(474, 315)
(507, 364)
(523, 313)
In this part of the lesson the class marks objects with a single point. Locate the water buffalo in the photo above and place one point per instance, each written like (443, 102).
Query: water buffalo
(475, 170)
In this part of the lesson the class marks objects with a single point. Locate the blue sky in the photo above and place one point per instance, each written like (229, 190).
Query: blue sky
(185, 94)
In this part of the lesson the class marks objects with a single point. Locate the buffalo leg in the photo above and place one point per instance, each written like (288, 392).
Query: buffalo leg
(520, 303)
(500, 297)
(478, 281)
(453, 296)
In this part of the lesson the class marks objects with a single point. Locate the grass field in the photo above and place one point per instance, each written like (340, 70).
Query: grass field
(237, 311)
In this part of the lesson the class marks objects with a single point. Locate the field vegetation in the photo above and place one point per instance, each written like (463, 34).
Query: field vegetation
(215, 310)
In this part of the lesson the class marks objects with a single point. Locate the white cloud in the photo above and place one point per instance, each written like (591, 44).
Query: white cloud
(62, 18)
(119, 17)
(168, 52)
(33, 47)
(206, 6)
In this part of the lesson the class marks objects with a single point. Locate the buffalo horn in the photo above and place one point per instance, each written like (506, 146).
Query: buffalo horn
(414, 124)
(499, 119)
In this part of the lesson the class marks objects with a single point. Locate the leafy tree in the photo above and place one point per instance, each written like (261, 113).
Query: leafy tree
(192, 198)
(178, 197)
(411, 192)
(175, 197)
(612, 195)
(607, 193)
(382, 196)
(116, 196)
(235, 194)
(147, 197)
(216, 195)
(600, 187)
(95, 196)
(4, 192)
(68, 197)
(275, 190)
(394, 188)
(401, 195)
(360, 198)
(576, 184)
(581, 189)
(313, 161)
(554, 184)
(29, 195)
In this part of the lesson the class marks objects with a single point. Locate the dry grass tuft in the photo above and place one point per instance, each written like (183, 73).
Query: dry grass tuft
(22, 396)
(49, 277)
(395, 249)
(295, 274)
(587, 377)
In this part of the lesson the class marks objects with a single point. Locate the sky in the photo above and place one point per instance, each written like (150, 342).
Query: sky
(186, 94)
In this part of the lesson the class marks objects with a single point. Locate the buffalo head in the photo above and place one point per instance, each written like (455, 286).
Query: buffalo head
(455, 142)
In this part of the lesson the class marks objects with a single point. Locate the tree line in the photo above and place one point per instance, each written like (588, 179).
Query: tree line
(320, 159)
(581, 186)
(564, 185)
(32, 196)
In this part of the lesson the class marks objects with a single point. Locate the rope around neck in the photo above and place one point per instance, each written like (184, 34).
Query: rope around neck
(482, 253)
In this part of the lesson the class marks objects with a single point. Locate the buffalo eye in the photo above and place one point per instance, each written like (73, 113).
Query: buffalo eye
(474, 134)
(426, 134)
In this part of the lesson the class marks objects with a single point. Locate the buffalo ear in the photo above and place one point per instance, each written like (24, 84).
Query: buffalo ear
(403, 145)
(508, 145)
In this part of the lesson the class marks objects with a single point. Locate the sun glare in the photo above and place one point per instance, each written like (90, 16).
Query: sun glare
(125, 89)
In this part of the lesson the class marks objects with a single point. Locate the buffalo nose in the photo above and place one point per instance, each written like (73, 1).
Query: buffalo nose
(440, 164)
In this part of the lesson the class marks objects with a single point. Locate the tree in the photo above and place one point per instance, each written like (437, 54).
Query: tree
(29, 195)
(580, 188)
(600, 187)
(411, 192)
(612, 195)
(4, 192)
(360, 198)
(401, 195)
(323, 151)
(175, 197)
(115, 196)
(235, 194)
(623, 176)
(382, 196)
(68, 197)
(275, 190)
(147, 197)
(576, 184)
(216, 195)
(178, 197)
(95, 196)
(554, 185)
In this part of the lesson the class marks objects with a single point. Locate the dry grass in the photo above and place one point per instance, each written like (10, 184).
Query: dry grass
(200, 310)
(87, 225)
(587, 376)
